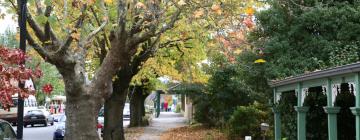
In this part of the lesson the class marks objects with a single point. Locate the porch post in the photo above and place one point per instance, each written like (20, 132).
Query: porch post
(356, 110)
(332, 113)
(301, 115)
(277, 118)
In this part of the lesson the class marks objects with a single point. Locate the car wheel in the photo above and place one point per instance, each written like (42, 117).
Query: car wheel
(32, 125)
(25, 125)
(45, 123)
(52, 123)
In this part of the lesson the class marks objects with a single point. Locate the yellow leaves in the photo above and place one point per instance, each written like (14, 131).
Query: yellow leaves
(17, 36)
(140, 5)
(182, 2)
(237, 51)
(105, 18)
(259, 61)
(217, 9)
(75, 36)
(108, 1)
(250, 11)
(90, 2)
(198, 13)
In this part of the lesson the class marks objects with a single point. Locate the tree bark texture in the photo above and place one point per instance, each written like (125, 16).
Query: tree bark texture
(80, 105)
(114, 106)
(137, 107)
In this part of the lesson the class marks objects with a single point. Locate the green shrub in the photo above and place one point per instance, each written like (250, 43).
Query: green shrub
(245, 121)
(178, 108)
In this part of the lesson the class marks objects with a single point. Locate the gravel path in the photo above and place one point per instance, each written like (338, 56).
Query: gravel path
(166, 121)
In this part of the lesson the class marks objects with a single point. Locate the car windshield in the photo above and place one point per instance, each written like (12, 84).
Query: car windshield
(6, 132)
(34, 112)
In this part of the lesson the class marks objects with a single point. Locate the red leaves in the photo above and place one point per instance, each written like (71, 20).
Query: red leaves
(47, 88)
(248, 22)
(13, 56)
(12, 72)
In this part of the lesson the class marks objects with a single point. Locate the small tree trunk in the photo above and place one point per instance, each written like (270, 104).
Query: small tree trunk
(143, 97)
(113, 110)
(137, 107)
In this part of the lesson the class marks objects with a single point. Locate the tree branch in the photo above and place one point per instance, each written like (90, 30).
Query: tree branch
(107, 41)
(36, 28)
(171, 24)
(146, 35)
(49, 33)
(163, 45)
(38, 7)
(41, 51)
(78, 24)
(100, 28)
(93, 33)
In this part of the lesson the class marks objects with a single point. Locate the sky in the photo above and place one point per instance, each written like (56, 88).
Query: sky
(7, 22)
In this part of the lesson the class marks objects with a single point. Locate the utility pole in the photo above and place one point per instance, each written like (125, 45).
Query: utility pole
(22, 24)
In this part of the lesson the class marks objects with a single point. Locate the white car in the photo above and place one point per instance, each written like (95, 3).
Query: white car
(126, 111)
(126, 115)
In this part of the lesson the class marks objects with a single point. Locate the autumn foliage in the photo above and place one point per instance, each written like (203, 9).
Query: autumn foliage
(12, 73)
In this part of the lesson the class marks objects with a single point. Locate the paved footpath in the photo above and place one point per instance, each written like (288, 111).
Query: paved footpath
(166, 121)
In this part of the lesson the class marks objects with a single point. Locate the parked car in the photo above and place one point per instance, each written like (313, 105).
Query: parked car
(100, 121)
(60, 128)
(126, 111)
(38, 116)
(6, 131)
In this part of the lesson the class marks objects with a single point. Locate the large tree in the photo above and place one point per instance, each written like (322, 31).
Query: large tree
(63, 38)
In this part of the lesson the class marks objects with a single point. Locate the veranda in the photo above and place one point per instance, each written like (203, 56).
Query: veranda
(329, 81)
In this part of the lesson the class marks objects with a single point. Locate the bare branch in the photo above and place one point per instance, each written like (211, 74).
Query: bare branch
(48, 11)
(13, 5)
(163, 45)
(93, 33)
(171, 24)
(107, 41)
(146, 35)
(100, 28)
(49, 33)
(33, 24)
(122, 11)
(78, 24)
(38, 7)
(41, 51)
(36, 28)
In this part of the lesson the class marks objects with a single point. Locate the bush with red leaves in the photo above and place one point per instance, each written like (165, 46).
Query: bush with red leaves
(12, 73)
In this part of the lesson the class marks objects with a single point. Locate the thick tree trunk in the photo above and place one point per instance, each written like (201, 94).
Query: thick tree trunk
(114, 106)
(137, 107)
(113, 110)
(81, 123)
(81, 107)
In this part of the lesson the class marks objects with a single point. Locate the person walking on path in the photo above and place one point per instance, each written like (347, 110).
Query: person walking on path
(166, 106)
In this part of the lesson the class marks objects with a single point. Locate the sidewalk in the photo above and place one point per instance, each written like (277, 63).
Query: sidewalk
(166, 121)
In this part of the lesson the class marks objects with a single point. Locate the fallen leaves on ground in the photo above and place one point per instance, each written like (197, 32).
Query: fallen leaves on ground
(133, 133)
(193, 133)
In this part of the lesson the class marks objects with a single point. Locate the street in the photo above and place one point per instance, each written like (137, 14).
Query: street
(39, 132)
